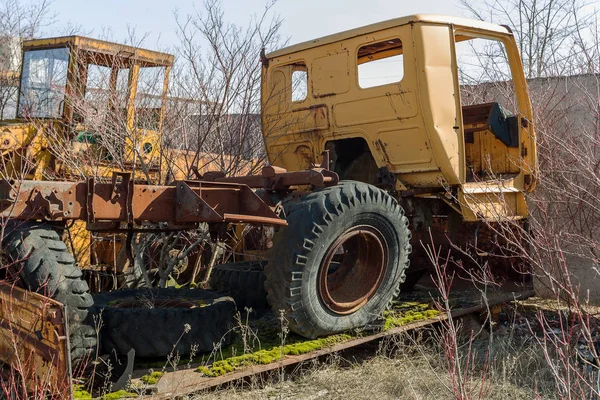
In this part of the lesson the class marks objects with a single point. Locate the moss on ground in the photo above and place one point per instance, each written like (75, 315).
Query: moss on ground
(152, 378)
(268, 330)
(393, 321)
(405, 312)
(121, 394)
(267, 356)
(79, 393)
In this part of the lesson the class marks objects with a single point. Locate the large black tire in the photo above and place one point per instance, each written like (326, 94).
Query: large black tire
(340, 261)
(45, 265)
(244, 281)
(152, 320)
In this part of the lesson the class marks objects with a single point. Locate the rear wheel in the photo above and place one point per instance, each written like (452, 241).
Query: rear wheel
(157, 322)
(340, 261)
(44, 265)
(244, 281)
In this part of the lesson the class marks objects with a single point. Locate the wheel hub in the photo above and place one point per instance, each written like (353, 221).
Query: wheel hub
(352, 269)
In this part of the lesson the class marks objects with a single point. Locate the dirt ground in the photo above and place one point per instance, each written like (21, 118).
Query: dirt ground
(504, 363)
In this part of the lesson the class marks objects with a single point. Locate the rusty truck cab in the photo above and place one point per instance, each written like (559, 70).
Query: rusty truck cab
(404, 125)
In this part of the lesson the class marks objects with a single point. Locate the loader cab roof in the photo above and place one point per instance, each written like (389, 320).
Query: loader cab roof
(430, 18)
(103, 52)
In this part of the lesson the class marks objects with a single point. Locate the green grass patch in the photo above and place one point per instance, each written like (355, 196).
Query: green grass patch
(79, 393)
(403, 313)
(121, 394)
(153, 378)
(267, 356)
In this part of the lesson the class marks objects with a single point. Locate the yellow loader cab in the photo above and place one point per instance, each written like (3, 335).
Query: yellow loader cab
(412, 133)
(65, 83)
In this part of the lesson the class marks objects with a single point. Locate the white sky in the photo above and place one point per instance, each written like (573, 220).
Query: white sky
(303, 19)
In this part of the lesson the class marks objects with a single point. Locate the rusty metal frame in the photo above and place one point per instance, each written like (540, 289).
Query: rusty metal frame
(278, 179)
(106, 205)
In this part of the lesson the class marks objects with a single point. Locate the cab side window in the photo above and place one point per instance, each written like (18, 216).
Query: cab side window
(380, 63)
(299, 82)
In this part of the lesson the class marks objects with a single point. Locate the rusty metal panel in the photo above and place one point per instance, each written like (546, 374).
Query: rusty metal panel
(190, 202)
(34, 339)
(216, 199)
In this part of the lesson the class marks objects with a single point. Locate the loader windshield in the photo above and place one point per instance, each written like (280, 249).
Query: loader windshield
(43, 83)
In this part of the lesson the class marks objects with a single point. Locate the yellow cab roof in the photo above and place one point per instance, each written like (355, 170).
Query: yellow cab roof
(430, 18)
(111, 52)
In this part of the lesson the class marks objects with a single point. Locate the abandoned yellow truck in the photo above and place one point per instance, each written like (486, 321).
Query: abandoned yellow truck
(362, 167)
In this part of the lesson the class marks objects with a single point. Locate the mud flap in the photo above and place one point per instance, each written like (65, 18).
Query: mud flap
(34, 341)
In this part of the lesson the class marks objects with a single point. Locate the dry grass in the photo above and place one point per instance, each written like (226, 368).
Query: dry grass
(409, 368)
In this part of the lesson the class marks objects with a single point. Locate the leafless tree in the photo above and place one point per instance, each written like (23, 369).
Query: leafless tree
(219, 69)
(19, 20)
(551, 34)
(559, 45)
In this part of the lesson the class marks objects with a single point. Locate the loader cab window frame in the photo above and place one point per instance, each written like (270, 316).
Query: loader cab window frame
(148, 101)
(43, 85)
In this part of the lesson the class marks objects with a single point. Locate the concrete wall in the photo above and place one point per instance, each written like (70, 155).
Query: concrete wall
(567, 107)
(565, 207)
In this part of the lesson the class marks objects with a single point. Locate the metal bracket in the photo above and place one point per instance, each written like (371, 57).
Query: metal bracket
(91, 185)
(190, 203)
(126, 186)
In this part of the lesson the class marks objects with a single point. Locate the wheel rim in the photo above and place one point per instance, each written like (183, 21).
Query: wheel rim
(352, 269)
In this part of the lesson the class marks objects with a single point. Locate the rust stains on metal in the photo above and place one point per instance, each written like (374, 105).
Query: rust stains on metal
(276, 178)
(216, 199)
(33, 338)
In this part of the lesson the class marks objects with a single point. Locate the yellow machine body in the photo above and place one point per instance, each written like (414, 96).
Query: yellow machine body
(53, 89)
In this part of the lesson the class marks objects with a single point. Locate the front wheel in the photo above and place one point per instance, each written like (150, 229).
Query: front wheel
(340, 261)
(40, 257)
